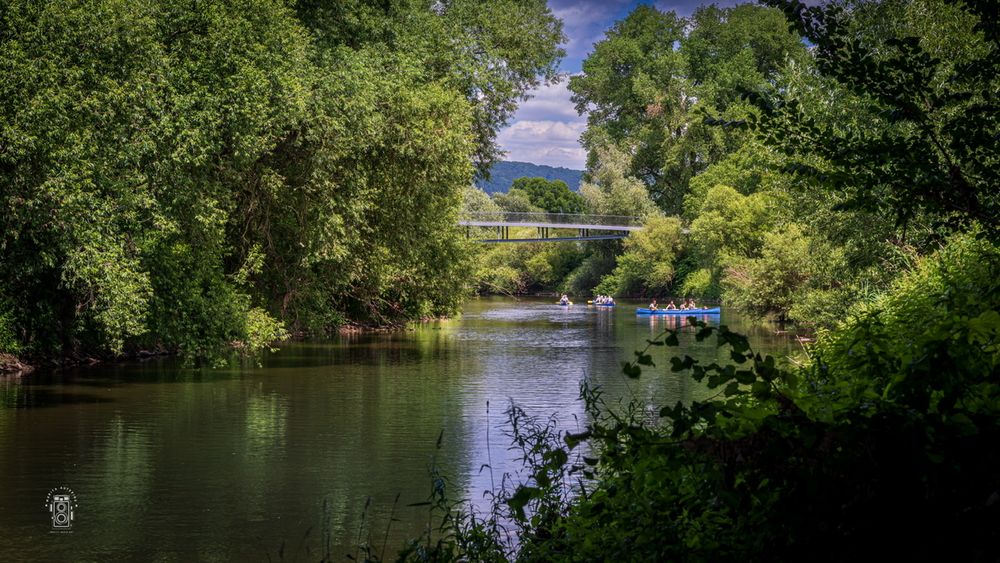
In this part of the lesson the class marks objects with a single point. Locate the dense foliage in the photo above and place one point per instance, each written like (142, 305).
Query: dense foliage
(552, 197)
(199, 176)
(648, 83)
(923, 78)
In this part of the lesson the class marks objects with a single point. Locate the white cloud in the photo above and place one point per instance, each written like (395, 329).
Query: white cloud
(550, 102)
(546, 130)
(554, 143)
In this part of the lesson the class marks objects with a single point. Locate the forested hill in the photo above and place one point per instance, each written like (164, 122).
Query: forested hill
(503, 174)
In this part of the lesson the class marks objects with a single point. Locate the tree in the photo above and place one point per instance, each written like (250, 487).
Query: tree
(198, 177)
(516, 201)
(554, 196)
(736, 48)
(611, 191)
(770, 283)
(928, 140)
(647, 264)
(492, 52)
(631, 90)
(648, 83)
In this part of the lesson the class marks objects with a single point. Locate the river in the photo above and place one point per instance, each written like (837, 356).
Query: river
(172, 464)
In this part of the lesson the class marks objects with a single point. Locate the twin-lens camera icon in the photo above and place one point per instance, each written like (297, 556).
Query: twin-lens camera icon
(61, 503)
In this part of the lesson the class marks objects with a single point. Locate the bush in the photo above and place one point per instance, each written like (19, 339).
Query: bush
(700, 283)
(920, 322)
(647, 264)
(8, 337)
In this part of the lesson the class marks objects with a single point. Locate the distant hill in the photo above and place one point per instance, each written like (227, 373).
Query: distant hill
(503, 174)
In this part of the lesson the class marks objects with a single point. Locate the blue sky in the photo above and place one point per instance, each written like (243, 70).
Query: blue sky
(546, 129)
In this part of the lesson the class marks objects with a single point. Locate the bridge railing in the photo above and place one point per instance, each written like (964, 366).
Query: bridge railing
(553, 218)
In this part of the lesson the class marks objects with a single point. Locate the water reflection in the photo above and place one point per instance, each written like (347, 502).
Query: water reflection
(228, 464)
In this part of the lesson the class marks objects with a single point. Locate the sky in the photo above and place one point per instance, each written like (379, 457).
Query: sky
(546, 128)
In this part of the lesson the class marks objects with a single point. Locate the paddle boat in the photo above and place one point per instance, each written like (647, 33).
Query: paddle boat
(561, 304)
(694, 312)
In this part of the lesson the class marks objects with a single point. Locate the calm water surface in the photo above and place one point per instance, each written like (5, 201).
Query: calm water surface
(169, 464)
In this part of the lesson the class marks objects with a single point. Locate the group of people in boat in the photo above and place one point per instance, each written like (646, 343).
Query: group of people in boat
(604, 300)
(687, 305)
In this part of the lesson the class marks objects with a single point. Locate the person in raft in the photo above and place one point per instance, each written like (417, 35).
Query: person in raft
(652, 306)
(564, 300)
(671, 306)
(690, 304)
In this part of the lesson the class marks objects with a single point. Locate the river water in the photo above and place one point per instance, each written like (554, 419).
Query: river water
(312, 449)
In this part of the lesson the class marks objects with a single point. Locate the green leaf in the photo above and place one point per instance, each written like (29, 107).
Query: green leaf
(703, 333)
(520, 499)
(631, 370)
(573, 440)
(555, 458)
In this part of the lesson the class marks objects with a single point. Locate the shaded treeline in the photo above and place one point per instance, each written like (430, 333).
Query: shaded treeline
(199, 175)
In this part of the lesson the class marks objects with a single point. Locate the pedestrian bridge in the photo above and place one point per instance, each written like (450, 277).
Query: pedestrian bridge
(588, 227)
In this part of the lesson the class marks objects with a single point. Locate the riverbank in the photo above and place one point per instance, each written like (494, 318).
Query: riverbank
(12, 365)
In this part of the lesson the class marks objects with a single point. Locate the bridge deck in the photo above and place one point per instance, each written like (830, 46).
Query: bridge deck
(555, 239)
(551, 225)
(606, 226)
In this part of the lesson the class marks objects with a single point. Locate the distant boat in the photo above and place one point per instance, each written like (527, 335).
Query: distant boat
(604, 304)
(711, 311)
(561, 304)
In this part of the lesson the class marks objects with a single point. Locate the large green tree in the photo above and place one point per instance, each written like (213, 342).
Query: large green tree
(494, 53)
(552, 196)
(648, 83)
(196, 175)
(923, 79)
